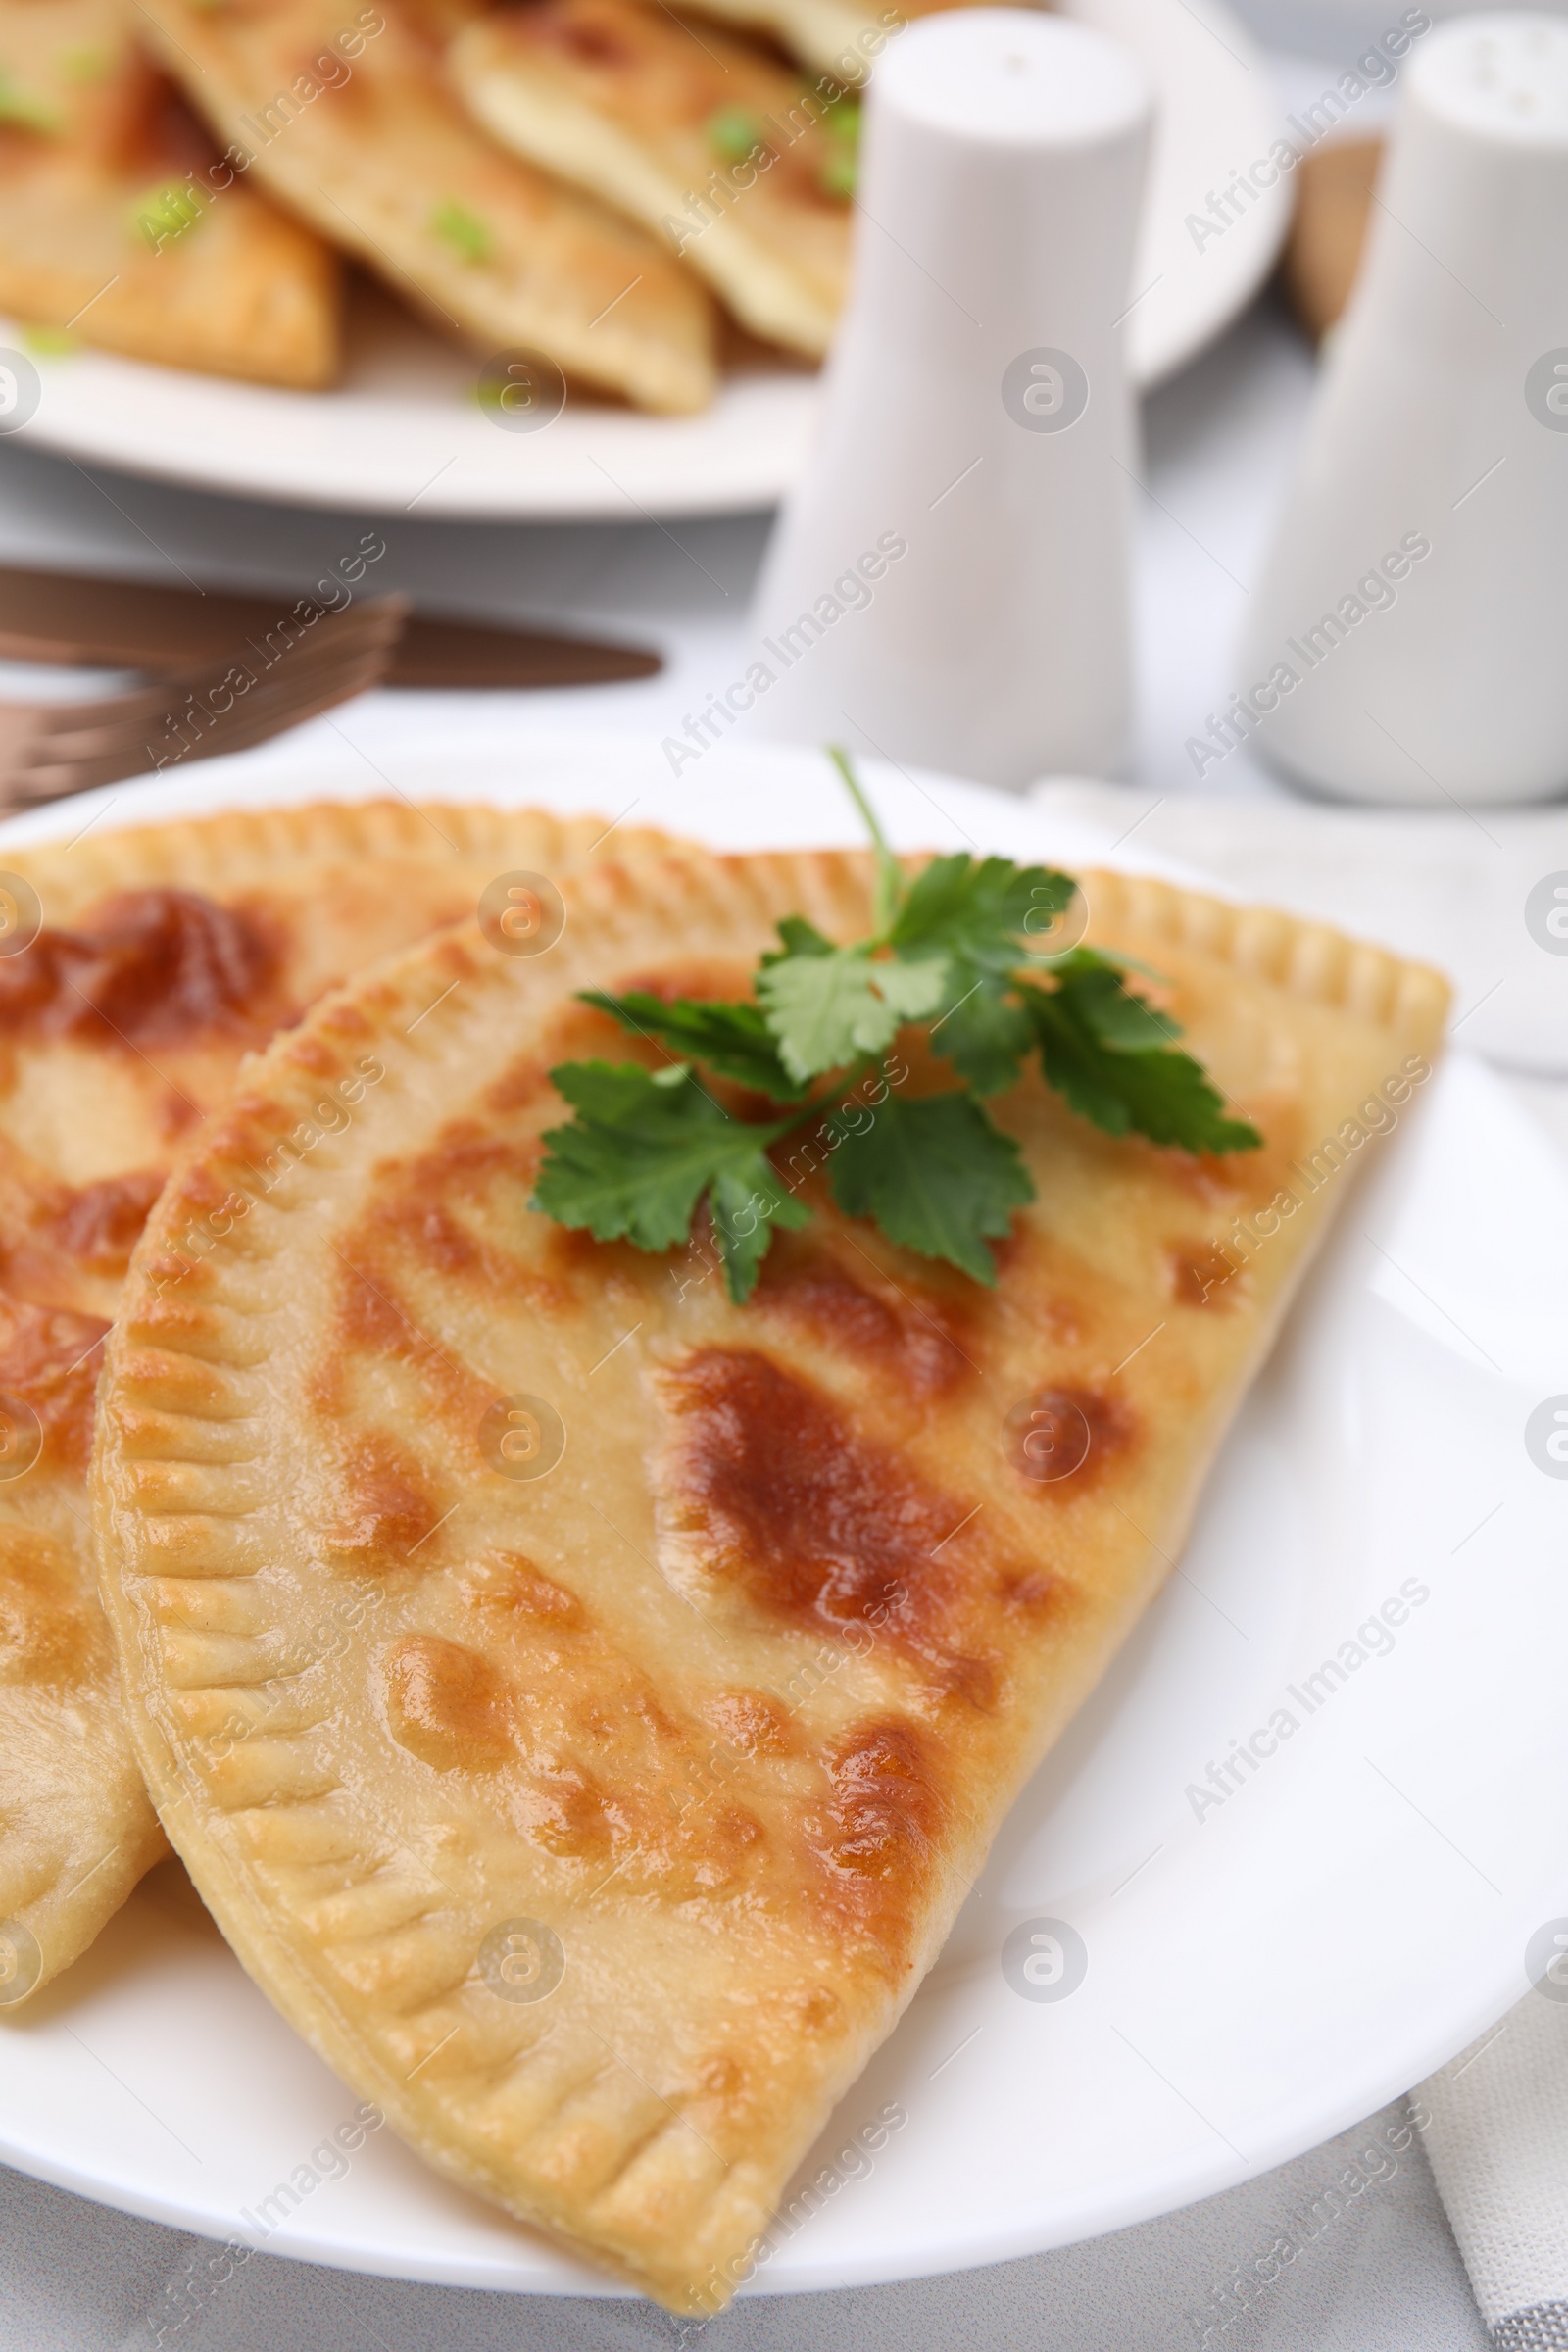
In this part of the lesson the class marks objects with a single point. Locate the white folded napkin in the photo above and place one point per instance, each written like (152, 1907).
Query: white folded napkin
(1495, 2126)
(1476, 895)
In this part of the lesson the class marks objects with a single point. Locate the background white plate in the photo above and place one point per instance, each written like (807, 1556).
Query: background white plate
(1258, 1980)
(404, 426)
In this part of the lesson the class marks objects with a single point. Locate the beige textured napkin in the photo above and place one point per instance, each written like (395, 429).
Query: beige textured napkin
(1483, 895)
(1495, 2125)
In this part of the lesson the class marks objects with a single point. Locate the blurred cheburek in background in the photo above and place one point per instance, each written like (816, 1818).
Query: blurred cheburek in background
(612, 184)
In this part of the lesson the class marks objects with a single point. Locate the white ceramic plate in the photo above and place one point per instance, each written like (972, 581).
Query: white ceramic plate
(404, 428)
(1257, 1979)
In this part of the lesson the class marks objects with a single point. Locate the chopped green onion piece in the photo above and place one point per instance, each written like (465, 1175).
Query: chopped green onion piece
(839, 173)
(735, 133)
(842, 117)
(87, 62)
(841, 123)
(463, 230)
(168, 211)
(19, 112)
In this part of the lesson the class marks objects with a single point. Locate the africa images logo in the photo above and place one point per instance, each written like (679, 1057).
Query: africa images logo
(1547, 390)
(1545, 913)
(1045, 1960)
(1045, 390)
(1547, 1437)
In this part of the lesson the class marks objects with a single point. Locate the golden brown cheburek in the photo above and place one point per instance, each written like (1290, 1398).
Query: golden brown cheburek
(379, 157)
(114, 223)
(705, 139)
(167, 953)
(583, 1702)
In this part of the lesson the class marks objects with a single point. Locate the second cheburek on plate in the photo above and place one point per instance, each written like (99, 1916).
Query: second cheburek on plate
(583, 1702)
(143, 965)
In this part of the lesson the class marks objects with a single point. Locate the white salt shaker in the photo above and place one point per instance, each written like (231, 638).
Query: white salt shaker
(1409, 638)
(950, 585)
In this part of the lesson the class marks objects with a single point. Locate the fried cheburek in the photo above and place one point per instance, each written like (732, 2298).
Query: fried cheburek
(583, 1702)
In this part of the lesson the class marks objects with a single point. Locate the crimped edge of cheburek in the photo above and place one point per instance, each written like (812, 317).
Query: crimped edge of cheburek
(249, 848)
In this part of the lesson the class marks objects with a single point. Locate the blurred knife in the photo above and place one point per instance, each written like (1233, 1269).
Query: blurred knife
(123, 624)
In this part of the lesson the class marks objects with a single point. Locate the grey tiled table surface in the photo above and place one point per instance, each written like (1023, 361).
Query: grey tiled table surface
(1383, 2273)
(1382, 2277)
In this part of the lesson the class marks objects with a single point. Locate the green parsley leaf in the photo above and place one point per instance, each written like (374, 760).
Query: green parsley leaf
(732, 1039)
(966, 947)
(645, 1149)
(1098, 985)
(745, 1207)
(937, 1176)
(1110, 1054)
(981, 914)
(826, 1008)
(985, 1035)
(799, 938)
(982, 911)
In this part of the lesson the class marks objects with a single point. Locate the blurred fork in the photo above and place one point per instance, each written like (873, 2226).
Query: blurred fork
(48, 749)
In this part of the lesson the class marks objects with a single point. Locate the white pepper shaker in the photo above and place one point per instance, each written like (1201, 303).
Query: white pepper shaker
(1409, 638)
(950, 585)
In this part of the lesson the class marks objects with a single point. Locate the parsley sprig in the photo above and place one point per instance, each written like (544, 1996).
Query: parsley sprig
(951, 950)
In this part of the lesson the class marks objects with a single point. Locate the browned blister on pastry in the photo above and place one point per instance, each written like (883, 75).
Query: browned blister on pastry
(584, 1702)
